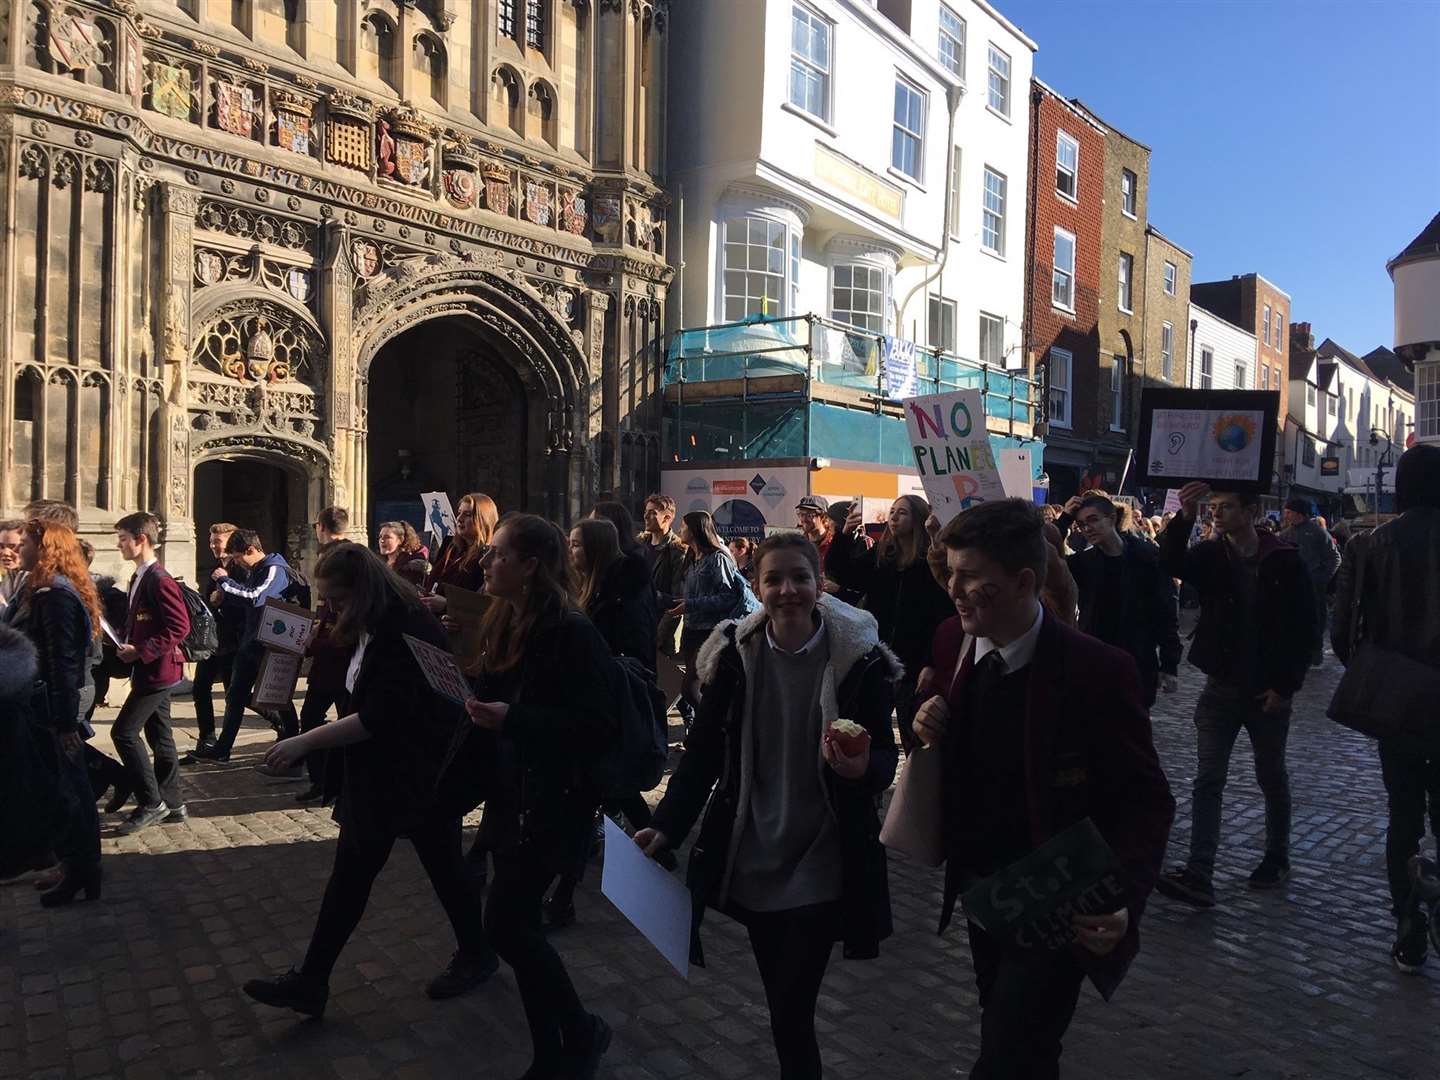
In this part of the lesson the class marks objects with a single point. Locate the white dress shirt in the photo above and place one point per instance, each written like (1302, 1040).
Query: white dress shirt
(1018, 654)
(356, 659)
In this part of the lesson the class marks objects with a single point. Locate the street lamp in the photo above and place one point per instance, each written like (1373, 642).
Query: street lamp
(1381, 461)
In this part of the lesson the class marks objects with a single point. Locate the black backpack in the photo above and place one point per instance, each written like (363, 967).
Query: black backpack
(204, 636)
(636, 760)
(297, 592)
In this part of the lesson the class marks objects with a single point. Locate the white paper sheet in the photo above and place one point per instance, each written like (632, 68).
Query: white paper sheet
(655, 902)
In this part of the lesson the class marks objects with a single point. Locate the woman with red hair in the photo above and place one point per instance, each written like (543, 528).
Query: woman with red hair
(58, 609)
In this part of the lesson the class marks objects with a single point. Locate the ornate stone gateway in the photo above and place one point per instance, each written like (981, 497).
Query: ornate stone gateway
(232, 268)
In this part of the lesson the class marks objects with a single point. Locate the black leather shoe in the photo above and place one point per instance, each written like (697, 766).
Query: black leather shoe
(290, 991)
(309, 795)
(463, 974)
(142, 817)
(77, 879)
(205, 752)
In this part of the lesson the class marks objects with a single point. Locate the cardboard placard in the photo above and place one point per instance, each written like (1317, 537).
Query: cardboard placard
(275, 683)
(440, 671)
(1221, 437)
(1032, 900)
(285, 627)
(952, 451)
(467, 608)
(439, 515)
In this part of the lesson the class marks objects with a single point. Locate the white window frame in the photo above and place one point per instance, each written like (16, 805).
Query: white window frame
(1125, 283)
(1167, 350)
(1061, 417)
(1310, 401)
(1171, 277)
(946, 309)
(997, 82)
(809, 64)
(1117, 392)
(1332, 405)
(785, 302)
(994, 356)
(989, 212)
(1265, 323)
(1207, 367)
(1279, 322)
(1242, 375)
(846, 315)
(955, 41)
(1264, 376)
(899, 130)
(956, 160)
(1065, 141)
(1060, 275)
(1129, 192)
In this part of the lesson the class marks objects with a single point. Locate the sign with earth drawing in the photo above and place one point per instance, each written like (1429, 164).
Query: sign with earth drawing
(1223, 437)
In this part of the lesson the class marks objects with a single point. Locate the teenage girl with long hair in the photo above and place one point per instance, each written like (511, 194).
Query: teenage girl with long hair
(714, 592)
(58, 608)
(543, 690)
(458, 560)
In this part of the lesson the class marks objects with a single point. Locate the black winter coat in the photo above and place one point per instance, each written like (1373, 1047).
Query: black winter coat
(864, 671)
(908, 604)
(560, 718)
(1285, 605)
(390, 778)
(1149, 616)
(623, 609)
(55, 619)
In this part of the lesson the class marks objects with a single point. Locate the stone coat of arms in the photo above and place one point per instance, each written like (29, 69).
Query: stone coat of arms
(412, 161)
(235, 109)
(366, 257)
(460, 187)
(606, 217)
(497, 190)
(292, 132)
(171, 90)
(537, 202)
(572, 212)
(75, 44)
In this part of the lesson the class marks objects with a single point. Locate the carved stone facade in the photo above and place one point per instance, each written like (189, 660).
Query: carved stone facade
(221, 232)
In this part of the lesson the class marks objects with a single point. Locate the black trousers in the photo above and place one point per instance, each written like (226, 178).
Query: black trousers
(74, 830)
(1027, 1000)
(149, 711)
(636, 811)
(512, 921)
(244, 669)
(208, 672)
(1411, 777)
(792, 949)
(358, 862)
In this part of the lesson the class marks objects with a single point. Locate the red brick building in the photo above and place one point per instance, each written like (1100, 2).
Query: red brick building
(1064, 223)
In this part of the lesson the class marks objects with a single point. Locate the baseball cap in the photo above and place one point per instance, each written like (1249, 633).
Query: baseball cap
(818, 503)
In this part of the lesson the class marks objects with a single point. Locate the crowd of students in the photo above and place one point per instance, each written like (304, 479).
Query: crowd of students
(1022, 648)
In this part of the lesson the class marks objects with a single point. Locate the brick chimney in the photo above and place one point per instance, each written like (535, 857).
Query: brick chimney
(1301, 337)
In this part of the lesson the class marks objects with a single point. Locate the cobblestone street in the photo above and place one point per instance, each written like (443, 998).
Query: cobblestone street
(145, 984)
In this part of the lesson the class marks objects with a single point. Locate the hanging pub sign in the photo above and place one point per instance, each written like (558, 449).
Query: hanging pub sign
(1329, 466)
(1225, 438)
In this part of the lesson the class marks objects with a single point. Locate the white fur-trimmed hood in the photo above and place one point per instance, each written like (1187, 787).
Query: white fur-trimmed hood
(18, 664)
(852, 634)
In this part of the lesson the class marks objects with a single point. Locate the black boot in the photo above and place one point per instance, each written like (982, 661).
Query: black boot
(290, 991)
(76, 879)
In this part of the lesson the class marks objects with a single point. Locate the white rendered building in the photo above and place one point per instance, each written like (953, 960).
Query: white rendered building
(1416, 274)
(860, 160)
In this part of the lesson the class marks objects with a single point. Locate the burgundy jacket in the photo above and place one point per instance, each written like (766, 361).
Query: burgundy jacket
(157, 624)
(1088, 753)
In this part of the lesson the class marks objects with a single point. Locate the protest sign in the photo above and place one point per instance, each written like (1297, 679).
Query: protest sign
(467, 608)
(952, 451)
(438, 513)
(1223, 437)
(285, 627)
(1172, 502)
(656, 903)
(1017, 474)
(1031, 901)
(439, 669)
(275, 683)
(899, 358)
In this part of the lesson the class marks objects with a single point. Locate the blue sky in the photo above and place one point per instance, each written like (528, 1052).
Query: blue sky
(1296, 138)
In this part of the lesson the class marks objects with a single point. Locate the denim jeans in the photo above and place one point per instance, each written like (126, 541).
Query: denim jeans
(1221, 713)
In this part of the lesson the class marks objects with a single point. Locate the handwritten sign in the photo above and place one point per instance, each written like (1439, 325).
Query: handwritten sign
(1032, 901)
(1223, 437)
(275, 683)
(285, 627)
(439, 669)
(952, 451)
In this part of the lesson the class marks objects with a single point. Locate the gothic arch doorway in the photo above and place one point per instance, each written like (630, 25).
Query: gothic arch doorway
(253, 492)
(447, 412)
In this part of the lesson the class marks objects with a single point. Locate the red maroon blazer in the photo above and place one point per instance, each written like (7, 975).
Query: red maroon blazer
(1088, 753)
(157, 624)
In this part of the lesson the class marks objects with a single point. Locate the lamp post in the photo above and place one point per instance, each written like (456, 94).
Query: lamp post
(1380, 462)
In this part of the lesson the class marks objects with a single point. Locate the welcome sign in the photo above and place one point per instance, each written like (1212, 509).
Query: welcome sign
(952, 452)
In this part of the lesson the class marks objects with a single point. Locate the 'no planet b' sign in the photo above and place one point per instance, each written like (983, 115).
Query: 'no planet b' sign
(952, 451)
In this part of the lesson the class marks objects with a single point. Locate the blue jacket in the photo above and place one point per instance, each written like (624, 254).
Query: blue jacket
(716, 591)
(269, 578)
